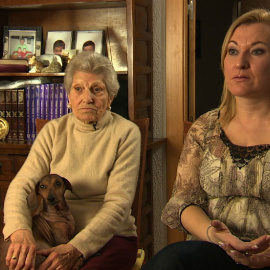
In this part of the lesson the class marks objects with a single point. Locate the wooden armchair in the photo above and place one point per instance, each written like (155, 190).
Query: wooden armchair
(143, 125)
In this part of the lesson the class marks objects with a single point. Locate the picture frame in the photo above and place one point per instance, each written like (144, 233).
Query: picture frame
(91, 40)
(21, 42)
(57, 41)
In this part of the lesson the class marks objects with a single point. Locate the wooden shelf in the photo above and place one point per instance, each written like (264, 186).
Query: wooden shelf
(12, 148)
(21, 74)
(59, 4)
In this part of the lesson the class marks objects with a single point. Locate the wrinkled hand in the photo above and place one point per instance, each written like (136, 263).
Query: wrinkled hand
(64, 257)
(22, 251)
(256, 257)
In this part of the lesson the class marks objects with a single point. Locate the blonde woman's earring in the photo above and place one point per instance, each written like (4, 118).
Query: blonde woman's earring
(69, 106)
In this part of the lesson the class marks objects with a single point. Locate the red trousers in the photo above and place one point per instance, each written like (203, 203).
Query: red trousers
(119, 253)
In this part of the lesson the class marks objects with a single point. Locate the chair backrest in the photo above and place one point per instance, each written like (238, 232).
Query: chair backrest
(143, 125)
(187, 125)
(137, 206)
(40, 123)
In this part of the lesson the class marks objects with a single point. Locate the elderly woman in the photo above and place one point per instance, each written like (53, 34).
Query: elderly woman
(98, 152)
(221, 195)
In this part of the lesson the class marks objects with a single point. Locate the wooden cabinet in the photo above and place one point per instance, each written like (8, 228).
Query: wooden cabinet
(128, 28)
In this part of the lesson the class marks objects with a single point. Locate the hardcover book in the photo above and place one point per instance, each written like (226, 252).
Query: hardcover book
(2, 103)
(61, 99)
(37, 101)
(14, 115)
(28, 112)
(56, 101)
(32, 113)
(21, 115)
(52, 101)
(42, 101)
(46, 100)
(8, 112)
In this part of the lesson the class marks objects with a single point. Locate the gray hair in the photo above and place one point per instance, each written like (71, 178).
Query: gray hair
(92, 63)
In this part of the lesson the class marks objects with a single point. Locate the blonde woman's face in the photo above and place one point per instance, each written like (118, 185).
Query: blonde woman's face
(88, 97)
(247, 61)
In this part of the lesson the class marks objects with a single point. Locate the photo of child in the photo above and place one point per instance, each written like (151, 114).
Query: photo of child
(20, 50)
(57, 41)
(91, 40)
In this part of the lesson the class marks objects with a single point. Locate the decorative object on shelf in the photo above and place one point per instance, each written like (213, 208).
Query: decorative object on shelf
(35, 65)
(117, 49)
(57, 41)
(54, 67)
(66, 57)
(4, 128)
(9, 65)
(90, 40)
(46, 59)
(21, 42)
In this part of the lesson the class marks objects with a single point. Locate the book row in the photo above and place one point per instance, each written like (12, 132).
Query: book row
(21, 106)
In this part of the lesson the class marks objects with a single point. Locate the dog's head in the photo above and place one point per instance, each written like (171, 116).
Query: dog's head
(52, 187)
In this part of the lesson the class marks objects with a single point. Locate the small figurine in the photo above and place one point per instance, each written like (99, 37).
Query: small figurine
(53, 67)
(35, 65)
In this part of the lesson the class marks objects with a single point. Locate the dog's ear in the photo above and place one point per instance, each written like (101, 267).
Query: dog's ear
(37, 188)
(67, 184)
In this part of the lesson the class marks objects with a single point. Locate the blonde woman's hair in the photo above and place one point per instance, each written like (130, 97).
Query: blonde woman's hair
(228, 105)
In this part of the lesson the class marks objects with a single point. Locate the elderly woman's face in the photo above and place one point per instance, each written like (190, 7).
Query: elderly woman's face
(247, 61)
(88, 97)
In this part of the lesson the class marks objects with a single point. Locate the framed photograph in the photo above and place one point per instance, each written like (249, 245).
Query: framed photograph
(90, 40)
(58, 41)
(21, 42)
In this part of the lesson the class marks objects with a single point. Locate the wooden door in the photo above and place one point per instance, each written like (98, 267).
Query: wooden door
(178, 22)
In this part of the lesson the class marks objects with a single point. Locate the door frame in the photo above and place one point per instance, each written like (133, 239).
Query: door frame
(177, 92)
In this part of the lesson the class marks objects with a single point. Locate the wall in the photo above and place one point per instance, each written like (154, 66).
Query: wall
(159, 99)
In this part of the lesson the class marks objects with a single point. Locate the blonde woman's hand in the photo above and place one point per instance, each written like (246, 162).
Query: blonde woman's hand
(256, 257)
(220, 234)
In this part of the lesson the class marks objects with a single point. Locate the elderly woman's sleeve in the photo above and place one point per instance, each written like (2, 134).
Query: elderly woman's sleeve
(186, 190)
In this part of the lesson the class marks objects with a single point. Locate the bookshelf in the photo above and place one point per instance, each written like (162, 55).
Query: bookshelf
(128, 28)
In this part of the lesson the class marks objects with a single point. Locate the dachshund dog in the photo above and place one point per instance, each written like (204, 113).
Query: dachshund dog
(53, 223)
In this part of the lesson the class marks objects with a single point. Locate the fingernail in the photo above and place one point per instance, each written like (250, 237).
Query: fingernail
(254, 247)
(221, 244)
(232, 251)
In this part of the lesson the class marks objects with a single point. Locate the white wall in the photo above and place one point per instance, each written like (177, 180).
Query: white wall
(159, 118)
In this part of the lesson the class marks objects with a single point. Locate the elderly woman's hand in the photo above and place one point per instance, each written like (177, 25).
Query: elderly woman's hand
(256, 257)
(22, 251)
(64, 257)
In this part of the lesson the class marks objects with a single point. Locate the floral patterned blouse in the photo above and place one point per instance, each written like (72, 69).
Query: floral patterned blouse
(230, 183)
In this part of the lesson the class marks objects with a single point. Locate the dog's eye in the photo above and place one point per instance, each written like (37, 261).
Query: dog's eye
(58, 183)
(42, 186)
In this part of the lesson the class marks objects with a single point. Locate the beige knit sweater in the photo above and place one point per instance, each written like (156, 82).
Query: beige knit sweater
(102, 166)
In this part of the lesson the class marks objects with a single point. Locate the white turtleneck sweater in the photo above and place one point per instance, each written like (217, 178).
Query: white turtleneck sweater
(102, 165)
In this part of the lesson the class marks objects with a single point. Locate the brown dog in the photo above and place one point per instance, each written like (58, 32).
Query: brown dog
(53, 223)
